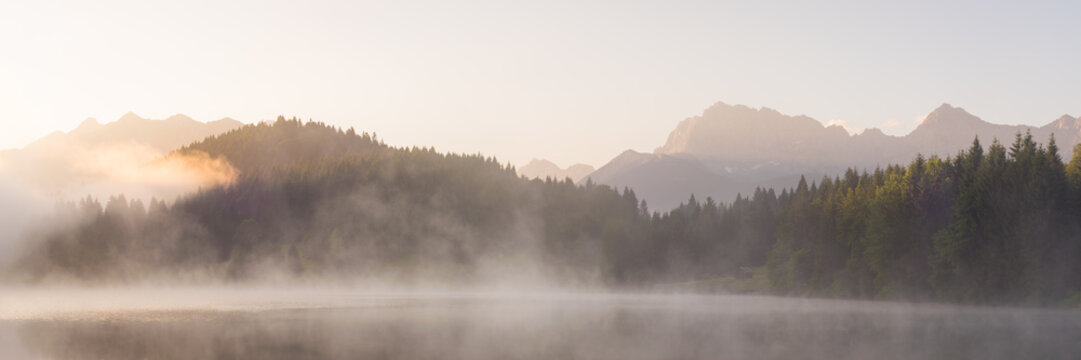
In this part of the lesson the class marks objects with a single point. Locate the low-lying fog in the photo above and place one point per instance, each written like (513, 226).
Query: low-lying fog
(316, 323)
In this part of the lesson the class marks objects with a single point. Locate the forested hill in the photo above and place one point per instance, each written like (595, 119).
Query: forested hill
(316, 202)
(287, 144)
(313, 201)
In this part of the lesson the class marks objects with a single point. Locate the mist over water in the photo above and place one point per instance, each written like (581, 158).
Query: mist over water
(315, 323)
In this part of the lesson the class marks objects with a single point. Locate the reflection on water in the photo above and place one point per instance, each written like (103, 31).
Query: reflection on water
(339, 326)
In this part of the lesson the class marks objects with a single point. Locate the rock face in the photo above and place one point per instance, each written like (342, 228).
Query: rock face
(732, 149)
(742, 134)
(541, 168)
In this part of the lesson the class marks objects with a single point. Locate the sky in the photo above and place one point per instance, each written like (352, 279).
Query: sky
(569, 81)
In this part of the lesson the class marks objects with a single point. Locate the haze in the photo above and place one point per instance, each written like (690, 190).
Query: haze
(549, 180)
(565, 81)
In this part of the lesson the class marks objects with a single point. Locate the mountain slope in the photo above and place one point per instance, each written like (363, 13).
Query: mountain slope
(665, 180)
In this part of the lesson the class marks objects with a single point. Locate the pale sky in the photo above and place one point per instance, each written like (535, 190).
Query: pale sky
(569, 81)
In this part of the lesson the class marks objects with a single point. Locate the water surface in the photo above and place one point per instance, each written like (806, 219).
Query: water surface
(342, 324)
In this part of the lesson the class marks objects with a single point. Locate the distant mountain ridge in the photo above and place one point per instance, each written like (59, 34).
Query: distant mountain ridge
(162, 135)
(121, 156)
(541, 169)
(731, 149)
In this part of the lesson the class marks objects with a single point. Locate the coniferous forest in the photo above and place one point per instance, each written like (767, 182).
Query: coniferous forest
(995, 224)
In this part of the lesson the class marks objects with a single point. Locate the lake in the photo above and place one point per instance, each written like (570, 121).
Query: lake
(313, 323)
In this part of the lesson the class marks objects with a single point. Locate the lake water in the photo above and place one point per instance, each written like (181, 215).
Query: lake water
(309, 323)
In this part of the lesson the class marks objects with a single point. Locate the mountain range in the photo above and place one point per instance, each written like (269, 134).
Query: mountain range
(732, 149)
(725, 151)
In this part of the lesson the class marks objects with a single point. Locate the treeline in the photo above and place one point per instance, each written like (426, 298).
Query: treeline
(989, 228)
(316, 201)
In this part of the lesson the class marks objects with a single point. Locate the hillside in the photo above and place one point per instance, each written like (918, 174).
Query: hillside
(315, 201)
